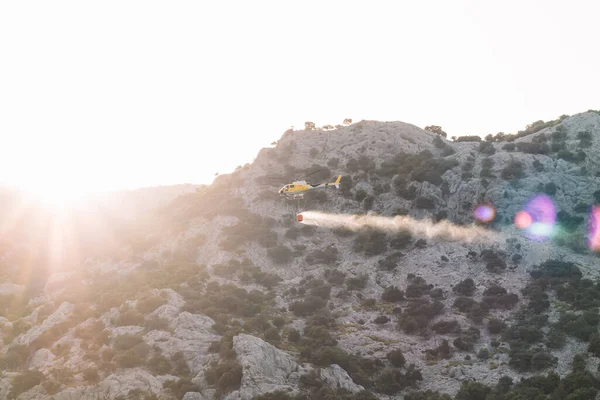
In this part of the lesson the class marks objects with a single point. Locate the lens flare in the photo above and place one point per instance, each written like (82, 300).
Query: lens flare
(538, 218)
(484, 213)
(522, 219)
(594, 236)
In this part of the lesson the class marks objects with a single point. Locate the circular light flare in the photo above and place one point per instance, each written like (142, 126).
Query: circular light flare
(523, 220)
(538, 217)
(484, 213)
(594, 234)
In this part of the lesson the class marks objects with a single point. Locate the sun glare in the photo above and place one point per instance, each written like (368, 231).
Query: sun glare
(56, 196)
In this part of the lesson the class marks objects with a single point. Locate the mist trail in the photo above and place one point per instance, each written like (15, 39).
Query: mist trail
(423, 228)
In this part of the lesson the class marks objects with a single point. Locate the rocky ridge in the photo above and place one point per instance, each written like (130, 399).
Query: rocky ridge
(173, 322)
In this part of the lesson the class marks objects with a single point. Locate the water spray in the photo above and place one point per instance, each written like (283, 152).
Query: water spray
(423, 228)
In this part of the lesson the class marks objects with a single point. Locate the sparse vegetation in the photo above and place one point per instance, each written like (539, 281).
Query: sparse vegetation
(340, 271)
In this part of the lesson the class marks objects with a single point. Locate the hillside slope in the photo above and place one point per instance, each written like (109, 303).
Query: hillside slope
(221, 294)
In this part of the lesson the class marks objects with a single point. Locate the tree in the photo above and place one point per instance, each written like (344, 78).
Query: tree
(309, 126)
(347, 121)
(436, 129)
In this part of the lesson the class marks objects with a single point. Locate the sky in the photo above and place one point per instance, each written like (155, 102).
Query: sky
(124, 94)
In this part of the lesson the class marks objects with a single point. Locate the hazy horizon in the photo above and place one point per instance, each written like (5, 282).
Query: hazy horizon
(114, 95)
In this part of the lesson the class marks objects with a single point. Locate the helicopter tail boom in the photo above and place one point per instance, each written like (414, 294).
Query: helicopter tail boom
(337, 182)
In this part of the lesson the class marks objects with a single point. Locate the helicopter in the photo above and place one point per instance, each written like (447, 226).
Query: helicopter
(296, 189)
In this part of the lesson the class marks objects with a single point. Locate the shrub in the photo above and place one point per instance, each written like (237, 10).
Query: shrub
(280, 254)
(382, 319)
(293, 335)
(365, 163)
(128, 359)
(445, 327)
(333, 162)
(425, 203)
(334, 276)
(360, 195)
(352, 165)
(472, 391)
(149, 304)
(442, 352)
(486, 148)
(400, 240)
(91, 375)
(159, 365)
(183, 386)
(417, 287)
(392, 380)
(25, 381)
(357, 282)
(467, 138)
(392, 294)
(585, 139)
(308, 306)
(371, 243)
(418, 314)
(533, 148)
(514, 170)
(396, 358)
(325, 256)
(465, 287)
(390, 262)
(483, 354)
(496, 326)
(550, 188)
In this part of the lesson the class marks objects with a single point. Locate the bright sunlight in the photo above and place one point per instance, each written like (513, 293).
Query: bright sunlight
(56, 195)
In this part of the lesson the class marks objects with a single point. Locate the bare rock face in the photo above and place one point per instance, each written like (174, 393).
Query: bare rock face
(439, 263)
(117, 384)
(170, 311)
(9, 289)
(265, 368)
(60, 315)
(192, 336)
(336, 377)
(268, 369)
(42, 358)
(194, 396)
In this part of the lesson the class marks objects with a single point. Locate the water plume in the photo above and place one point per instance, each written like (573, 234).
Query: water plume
(419, 228)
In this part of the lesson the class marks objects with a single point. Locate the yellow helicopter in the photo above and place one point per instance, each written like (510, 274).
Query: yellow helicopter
(296, 189)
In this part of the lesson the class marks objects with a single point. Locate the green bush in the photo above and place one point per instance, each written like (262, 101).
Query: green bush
(371, 243)
(182, 386)
(392, 294)
(357, 282)
(496, 326)
(446, 327)
(227, 376)
(514, 170)
(129, 318)
(486, 148)
(90, 375)
(280, 254)
(148, 304)
(425, 203)
(159, 365)
(465, 287)
(308, 306)
(396, 358)
(25, 381)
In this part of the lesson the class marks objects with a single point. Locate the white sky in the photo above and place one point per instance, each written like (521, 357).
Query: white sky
(123, 94)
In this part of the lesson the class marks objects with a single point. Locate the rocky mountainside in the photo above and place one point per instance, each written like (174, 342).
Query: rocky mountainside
(221, 294)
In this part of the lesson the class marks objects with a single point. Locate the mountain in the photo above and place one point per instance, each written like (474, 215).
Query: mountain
(219, 293)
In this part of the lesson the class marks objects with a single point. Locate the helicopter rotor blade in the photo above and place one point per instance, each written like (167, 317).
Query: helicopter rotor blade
(312, 173)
